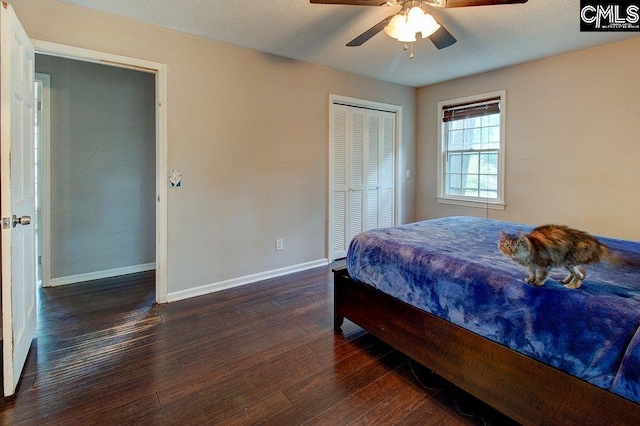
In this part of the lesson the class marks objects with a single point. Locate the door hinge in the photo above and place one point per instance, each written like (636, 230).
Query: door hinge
(6, 222)
(39, 105)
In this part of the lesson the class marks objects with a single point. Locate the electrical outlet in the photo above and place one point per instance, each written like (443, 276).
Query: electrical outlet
(279, 244)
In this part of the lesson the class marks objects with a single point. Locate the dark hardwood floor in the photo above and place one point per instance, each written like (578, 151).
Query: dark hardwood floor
(263, 353)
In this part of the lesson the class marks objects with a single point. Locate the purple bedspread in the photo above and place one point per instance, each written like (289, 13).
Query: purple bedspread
(451, 267)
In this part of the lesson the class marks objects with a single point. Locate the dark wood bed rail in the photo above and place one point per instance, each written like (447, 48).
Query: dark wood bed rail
(524, 389)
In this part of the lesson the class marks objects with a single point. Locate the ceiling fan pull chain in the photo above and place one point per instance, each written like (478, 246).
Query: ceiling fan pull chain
(410, 49)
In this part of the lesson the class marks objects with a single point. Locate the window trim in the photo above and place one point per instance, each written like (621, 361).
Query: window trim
(499, 203)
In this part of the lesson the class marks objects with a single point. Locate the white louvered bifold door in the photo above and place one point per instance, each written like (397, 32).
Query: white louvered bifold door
(362, 174)
(372, 160)
(356, 174)
(339, 188)
(387, 171)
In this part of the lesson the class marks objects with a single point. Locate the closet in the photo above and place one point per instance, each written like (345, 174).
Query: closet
(362, 155)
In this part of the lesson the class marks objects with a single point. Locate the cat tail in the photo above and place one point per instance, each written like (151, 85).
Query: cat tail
(617, 258)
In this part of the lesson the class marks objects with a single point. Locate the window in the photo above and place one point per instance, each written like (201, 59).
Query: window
(471, 164)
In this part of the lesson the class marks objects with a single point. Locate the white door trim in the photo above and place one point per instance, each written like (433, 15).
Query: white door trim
(397, 109)
(160, 71)
(44, 187)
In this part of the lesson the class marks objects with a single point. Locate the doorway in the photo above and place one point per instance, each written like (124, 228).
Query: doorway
(159, 210)
(101, 171)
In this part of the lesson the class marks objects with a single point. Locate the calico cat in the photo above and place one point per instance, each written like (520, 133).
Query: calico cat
(552, 246)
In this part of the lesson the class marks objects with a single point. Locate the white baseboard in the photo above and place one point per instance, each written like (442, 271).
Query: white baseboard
(248, 279)
(72, 279)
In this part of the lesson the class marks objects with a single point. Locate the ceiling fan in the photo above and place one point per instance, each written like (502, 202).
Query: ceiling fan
(412, 19)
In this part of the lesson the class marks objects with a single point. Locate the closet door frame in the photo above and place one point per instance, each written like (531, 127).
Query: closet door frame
(334, 102)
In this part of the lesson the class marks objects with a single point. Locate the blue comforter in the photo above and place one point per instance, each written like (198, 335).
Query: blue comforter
(451, 267)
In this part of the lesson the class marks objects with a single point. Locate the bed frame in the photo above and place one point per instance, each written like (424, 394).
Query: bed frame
(524, 389)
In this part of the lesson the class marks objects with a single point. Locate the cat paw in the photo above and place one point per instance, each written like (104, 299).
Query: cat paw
(533, 282)
(573, 285)
(576, 282)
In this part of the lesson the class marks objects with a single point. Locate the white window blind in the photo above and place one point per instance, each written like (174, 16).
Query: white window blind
(471, 164)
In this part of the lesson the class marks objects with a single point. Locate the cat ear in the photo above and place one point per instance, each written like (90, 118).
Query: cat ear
(503, 236)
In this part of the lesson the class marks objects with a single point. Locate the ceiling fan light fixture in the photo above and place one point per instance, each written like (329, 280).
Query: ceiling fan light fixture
(406, 25)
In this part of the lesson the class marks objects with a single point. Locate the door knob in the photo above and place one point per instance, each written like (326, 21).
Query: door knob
(24, 220)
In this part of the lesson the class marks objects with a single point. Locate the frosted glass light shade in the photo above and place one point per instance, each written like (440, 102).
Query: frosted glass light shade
(395, 27)
(428, 25)
(407, 35)
(414, 18)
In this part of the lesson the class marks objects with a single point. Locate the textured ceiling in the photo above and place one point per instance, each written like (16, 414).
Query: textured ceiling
(489, 37)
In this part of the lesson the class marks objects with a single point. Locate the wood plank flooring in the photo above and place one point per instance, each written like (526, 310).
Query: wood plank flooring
(263, 353)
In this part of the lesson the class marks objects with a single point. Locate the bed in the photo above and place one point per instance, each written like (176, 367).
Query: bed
(442, 293)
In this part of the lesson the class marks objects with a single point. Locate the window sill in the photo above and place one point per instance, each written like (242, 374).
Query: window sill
(490, 205)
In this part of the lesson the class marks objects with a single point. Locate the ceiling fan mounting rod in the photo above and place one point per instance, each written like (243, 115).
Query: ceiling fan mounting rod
(435, 3)
(407, 4)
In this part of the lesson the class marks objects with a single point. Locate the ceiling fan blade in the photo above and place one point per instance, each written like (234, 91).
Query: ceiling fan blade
(370, 32)
(442, 38)
(352, 2)
(468, 3)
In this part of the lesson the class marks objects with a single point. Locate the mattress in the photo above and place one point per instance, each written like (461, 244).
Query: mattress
(451, 267)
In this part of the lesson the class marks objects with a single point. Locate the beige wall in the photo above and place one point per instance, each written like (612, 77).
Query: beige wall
(572, 144)
(248, 131)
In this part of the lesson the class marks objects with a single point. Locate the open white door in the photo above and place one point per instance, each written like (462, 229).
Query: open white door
(18, 196)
